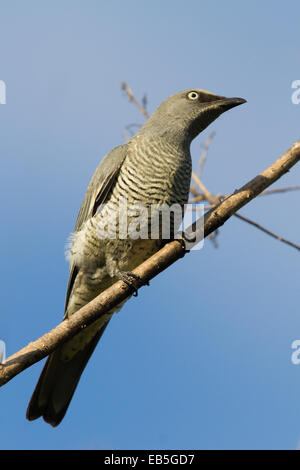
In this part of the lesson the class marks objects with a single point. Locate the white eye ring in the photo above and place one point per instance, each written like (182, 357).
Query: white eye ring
(193, 95)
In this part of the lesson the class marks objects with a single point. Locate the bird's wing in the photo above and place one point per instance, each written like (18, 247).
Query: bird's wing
(100, 184)
(96, 194)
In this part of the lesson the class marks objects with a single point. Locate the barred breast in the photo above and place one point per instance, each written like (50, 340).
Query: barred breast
(154, 172)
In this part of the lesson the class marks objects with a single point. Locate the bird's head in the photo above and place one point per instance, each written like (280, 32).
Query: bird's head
(189, 112)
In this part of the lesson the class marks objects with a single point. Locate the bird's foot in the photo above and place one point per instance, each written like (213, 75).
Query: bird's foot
(132, 280)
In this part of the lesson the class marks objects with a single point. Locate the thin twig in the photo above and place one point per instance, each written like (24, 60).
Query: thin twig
(263, 229)
(207, 194)
(203, 156)
(214, 200)
(255, 224)
(269, 191)
(132, 98)
(194, 191)
(213, 237)
(280, 190)
(145, 101)
(198, 198)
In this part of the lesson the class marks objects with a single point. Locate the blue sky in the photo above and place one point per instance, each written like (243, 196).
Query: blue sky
(202, 358)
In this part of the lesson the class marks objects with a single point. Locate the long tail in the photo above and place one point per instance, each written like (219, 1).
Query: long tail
(58, 381)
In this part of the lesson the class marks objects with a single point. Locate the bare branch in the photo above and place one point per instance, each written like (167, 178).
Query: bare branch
(255, 224)
(132, 98)
(145, 101)
(250, 190)
(170, 253)
(207, 195)
(203, 156)
(268, 232)
(264, 193)
(198, 198)
(215, 199)
(280, 190)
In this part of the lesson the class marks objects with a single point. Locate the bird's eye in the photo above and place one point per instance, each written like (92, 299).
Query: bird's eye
(193, 95)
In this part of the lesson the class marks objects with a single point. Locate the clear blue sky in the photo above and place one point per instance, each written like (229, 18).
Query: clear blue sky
(202, 358)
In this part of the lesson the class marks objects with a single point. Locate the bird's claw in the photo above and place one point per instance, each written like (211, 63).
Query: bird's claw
(132, 280)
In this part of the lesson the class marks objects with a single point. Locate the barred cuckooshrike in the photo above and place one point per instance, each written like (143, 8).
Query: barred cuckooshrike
(152, 168)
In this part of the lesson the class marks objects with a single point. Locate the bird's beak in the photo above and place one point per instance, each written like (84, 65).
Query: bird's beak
(210, 108)
(228, 103)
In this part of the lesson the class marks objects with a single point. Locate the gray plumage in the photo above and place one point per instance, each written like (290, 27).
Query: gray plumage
(152, 168)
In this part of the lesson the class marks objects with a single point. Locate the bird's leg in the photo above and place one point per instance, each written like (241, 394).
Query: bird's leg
(131, 279)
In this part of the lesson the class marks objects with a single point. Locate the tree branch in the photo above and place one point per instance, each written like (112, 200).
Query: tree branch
(203, 156)
(268, 232)
(214, 200)
(132, 98)
(280, 190)
(170, 253)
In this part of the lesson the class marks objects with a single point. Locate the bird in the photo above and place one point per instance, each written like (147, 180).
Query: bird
(153, 168)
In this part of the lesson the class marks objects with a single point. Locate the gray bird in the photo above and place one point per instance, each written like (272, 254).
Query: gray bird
(152, 169)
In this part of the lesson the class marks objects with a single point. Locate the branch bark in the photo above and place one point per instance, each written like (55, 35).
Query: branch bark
(161, 260)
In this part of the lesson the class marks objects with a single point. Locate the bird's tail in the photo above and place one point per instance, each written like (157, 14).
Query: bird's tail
(58, 381)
